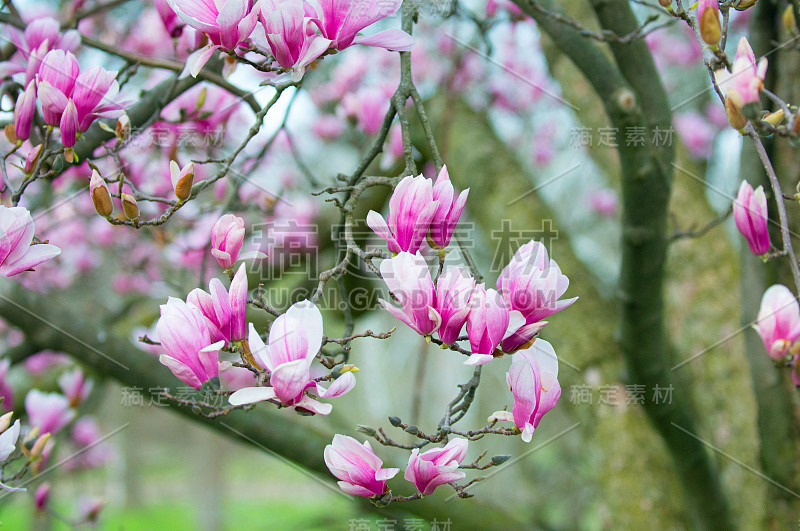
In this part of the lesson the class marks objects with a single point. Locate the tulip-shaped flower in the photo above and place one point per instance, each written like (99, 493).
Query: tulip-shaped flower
(224, 312)
(532, 284)
(16, 235)
(294, 341)
(451, 205)
(453, 293)
(188, 349)
(48, 411)
(340, 21)
(436, 466)
(226, 23)
(287, 29)
(227, 237)
(72, 99)
(8, 442)
(778, 321)
(409, 279)
(490, 321)
(411, 210)
(357, 467)
(24, 111)
(75, 386)
(751, 217)
(533, 380)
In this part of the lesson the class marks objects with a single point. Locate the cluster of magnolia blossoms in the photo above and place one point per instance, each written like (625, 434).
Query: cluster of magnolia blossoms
(70, 99)
(193, 332)
(296, 32)
(502, 321)
(359, 469)
(742, 86)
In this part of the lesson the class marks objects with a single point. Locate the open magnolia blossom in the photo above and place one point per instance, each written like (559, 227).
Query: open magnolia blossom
(227, 238)
(48, 411)
(188, 349)
(533, 380)
(411, 211)
(340, 21)
(357, 467)
(532, 284)
(294, 341)
(437, 466)
(778, 321)
(409, 279)
(17, 251)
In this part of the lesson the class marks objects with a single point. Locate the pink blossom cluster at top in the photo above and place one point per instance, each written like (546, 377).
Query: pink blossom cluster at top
(297, 32)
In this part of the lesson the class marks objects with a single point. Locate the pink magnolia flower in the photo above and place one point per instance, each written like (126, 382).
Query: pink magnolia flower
(449, 210)
(227, 237)
(532, 285)
(453, 293)
(696, 132)
(16, 235)
(48, 411)
(226, 23)
(88, 440)
(287, 29)
(411, 210)
(188, 349)
(72, 99)
(533, 380)
(752, 217)
(409, 279)
(75, 386)
(490, 320)
(40, 36)
(357, 467)
(294, 341)
(224, 312)
(8, 443)
(340, 21)
(778, 321)
(436, 466)
(744, 83)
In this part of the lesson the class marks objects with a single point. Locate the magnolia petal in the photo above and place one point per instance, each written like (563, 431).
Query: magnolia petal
(251, 395)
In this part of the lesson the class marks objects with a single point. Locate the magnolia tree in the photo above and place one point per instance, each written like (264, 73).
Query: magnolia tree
(154, 147)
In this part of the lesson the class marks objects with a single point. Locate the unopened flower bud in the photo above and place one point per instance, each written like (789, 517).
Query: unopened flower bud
(789, 21)
(735, 116)
(32, 158)
(665, 3)
(775, 118)
(38, 446)
(123, 129)
(744, 4)
(130, 207)
(349, 368)
(182, 179)
(710, 27)
(5, 421)
(101, 198)
(11, 136)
